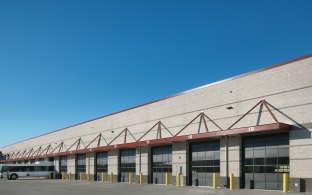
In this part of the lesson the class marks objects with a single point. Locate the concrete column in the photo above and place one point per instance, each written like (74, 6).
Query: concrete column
(90, 157)
(180, 162)
(113, 163)
(300, 155)
(71, 164)
(142, 163)
(230, 160)
(57, 164)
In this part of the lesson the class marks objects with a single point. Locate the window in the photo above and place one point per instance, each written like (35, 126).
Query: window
(161, 163)
(266, 158)
(81, 159)
(80, 164)
(127, 164)
(101, 165)
(63, 164)
(205, 160)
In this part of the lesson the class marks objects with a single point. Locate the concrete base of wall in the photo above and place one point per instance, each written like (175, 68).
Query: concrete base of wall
(300, 184)
(295, 184)
(172, 180)
(70, 176)
(84, 177)
(115, 178)
(58, 176)
(224, 182)
(185, 181)
(136, 179)
(92, 177)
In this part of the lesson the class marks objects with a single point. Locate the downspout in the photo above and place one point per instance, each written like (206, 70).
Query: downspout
(140, 160)
(227, 161)
(89, 163)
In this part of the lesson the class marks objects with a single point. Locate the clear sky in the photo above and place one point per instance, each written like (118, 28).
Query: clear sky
(66, 61)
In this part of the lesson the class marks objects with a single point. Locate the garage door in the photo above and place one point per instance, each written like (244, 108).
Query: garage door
(80, 165)
(161, 163)
(266, 158)
(127, 164)
(101, 166)
(205, 160)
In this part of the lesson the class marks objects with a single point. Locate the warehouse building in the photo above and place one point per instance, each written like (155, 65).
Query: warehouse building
(254, 127)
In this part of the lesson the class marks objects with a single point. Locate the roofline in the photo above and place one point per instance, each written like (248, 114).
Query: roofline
(178, 94)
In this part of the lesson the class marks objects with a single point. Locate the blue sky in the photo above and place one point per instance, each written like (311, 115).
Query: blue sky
(64, 62)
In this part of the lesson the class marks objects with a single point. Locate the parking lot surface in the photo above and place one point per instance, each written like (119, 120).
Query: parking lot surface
(58, 187)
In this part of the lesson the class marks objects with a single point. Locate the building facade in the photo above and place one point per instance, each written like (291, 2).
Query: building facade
(255, 126)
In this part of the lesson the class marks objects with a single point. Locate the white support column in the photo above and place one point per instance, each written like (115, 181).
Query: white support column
(231, 158)
(180, 160)
(142, 160)
(90, 163)
(71, 164)
(113, 161)
(57, 164)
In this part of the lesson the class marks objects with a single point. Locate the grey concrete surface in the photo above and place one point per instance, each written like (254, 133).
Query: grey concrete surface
(58, 187)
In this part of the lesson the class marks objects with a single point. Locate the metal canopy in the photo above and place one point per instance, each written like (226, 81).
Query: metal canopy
(276, 126)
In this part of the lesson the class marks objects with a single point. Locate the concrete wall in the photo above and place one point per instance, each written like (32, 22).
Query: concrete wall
(142, 159)
(57, 164)
(230, 160)
(287, 88)
(71, 163)
(90, 164)
(180, 161)
(113, 162)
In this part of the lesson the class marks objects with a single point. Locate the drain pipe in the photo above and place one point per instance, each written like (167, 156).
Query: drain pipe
(227, 161)
(140, 160)
(89, 165)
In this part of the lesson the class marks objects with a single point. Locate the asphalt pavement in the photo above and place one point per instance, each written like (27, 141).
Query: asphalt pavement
(59, 187)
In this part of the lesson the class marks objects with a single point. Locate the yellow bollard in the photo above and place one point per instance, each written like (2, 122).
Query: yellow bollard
(214, 181)
(231, 181)
(130, 178)
(80, 176)
(103, 177)
(88, 176)
(62, 174)
(111, 177)
(285, 182)
(167, 179)
(178, 180)
(141, 178)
